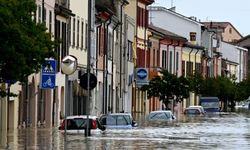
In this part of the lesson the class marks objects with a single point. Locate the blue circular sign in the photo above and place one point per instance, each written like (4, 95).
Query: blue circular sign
(142, 73)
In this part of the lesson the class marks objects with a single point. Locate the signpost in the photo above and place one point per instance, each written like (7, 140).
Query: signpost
(48, 76)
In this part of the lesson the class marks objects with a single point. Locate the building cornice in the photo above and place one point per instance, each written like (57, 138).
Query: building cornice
(147, 2)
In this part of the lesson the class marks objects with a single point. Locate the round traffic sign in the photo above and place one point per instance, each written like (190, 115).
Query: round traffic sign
(84, 81)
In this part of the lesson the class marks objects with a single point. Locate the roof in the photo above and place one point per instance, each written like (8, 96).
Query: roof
(244, 38)
(190, 45)
(216, 24)
(161, 8)
(166, 33)
(147, 2)
(220, 25)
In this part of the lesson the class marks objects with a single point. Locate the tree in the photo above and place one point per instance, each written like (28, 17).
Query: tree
(196, 80)
(226, 92)
(243, 89)
(24, 44)
(166, 87)
(209, 87)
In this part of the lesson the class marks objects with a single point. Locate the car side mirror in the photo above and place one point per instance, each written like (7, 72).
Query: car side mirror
(134, 124)
(173, 117)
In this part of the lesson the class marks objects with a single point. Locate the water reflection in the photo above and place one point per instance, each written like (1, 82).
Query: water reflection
(228, 131)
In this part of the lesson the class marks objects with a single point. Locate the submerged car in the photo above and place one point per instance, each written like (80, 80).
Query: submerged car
(78, 124)
(117, 121)
(162, 115)
(198, 106)
(193, 111)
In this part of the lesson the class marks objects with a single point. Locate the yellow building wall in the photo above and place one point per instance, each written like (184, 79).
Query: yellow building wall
(186, 58)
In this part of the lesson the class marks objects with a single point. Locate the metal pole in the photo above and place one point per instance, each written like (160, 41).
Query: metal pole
(65, 109)
(88, 65)
(106, 65)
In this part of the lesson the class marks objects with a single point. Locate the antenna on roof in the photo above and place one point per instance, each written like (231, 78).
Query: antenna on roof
(172, 5)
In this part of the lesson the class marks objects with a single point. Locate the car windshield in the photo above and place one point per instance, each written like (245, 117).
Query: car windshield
(76, 123)
(192, 111)
(118, 120)
(194, 107)
(159, 116)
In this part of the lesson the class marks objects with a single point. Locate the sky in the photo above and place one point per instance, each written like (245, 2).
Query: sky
(237, 12)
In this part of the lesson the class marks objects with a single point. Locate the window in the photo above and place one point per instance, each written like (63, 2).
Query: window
(130, 50)
(44, 15)
(74, 30)
(198, 68)
(57, 35)
(153, 57)
(164, 59)
(82, 32)
(230, 30)
(189, 68)
(77, 32)
(177, 62)
(86, 36)
(50, 21)
(171, 62)
(110, 45)
(39, 13)
(64, 46)
(183, 67)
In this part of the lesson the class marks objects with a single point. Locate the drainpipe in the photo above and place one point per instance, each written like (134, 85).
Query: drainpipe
(195, 99)
(195, 59)
(112, 77)
(97, 53)
(212, 57)
(189, 55)
(240, 65)
(174, 63)
(105, 67)
(121, 95)
(167, 54)
(97, 45)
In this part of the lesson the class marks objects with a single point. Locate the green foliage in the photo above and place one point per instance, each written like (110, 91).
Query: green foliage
(242, 91)
(196, 81)
(167, 86)
(209, 87)
(24, 44)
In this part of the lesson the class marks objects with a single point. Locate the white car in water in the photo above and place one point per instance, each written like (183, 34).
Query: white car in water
(161, 115)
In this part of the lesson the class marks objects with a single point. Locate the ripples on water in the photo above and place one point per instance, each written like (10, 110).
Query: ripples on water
(231, 131)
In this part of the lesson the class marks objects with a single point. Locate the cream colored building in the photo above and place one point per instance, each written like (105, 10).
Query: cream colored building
(229, 33)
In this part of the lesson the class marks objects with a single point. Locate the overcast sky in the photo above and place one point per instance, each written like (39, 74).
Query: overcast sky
(237, 12)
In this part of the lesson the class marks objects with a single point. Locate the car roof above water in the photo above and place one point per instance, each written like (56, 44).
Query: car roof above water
(168, 111)
(81, 116)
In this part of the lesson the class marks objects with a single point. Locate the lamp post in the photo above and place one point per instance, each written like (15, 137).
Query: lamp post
(68, 66)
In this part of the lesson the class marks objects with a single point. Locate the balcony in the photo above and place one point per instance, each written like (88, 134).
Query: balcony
(62, 8)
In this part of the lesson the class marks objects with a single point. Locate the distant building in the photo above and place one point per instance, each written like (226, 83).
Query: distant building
(229, 33)
(245, 42)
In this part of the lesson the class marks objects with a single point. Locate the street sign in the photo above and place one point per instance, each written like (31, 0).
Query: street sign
(48, 74)
(84, 81)
(141, 77)
(49, 67)
(48, 81)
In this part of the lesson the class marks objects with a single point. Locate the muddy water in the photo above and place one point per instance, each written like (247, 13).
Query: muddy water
(228, 131)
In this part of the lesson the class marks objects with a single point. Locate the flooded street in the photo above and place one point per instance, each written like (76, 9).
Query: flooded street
(228, 131)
